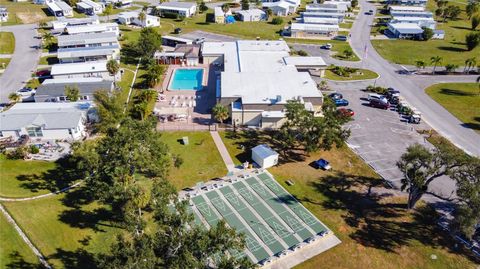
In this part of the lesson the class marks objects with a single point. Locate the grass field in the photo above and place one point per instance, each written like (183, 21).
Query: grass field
(14, 252)
(460, 99)
(452, 49)
(23, 178)
(25, 12)
(201, 159)
(65, 228)
(376, 232)
(361, 74)
(7, 43)
(48, 60)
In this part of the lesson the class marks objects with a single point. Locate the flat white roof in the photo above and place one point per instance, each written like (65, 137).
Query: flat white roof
(405, 25)
(320, 20)
(227, 49)
(314, 27)
(254, 11)
(412, 19)
(79, 68)
(407, 13)
(71, 80)
(182, 6)
(64, 6)
(92, 4)
(264, 151)
(283, 4)
(323, 14)
(406, 8)
(83, 5)
(90, 28)
(304, 61)
(128, 14)
(264, 87)
(53, 6)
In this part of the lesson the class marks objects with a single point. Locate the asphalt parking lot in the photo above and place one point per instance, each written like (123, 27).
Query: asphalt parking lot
(380, 136)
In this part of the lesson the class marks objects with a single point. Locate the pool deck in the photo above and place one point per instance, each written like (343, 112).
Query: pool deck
(198, 116)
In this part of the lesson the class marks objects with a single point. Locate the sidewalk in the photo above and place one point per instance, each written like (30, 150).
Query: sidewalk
(223, 151)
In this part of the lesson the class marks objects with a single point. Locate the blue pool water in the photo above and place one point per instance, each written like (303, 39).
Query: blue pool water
(187, 79)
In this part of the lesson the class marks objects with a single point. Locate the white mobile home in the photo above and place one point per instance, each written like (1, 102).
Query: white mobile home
(82, 70)
(318, 20)
(412, 9)
(423, 14)
(408, 2)
(3, 14)
(264, 156)
(95, 28)
(306, 30)
(252, 15)
(338, 16)
(420, 21)
(325, 8)
(45, 121)
(63, 22)
(280, 8)
(184, 9)
(60, 9)
(133, 17)
(405, 30)
(89, 7)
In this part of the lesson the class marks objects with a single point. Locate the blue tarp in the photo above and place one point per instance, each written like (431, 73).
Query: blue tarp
(230, 19)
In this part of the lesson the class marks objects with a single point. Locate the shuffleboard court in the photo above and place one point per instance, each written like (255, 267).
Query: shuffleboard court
(253, 246)
(292, 203)
(275, 223)
(280, 209)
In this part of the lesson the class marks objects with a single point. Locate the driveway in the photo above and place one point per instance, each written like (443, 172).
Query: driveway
(412, 87)
(380, 136)
(24, 59)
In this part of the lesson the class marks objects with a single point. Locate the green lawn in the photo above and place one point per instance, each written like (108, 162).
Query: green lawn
(65, 228)
(452, 49)
(460, 99)
(7, 43)
(337, 46)
(33, 83)
(23, 178)
(25, 12)
(201, 159)
(376, 232)
(361, 74)
(14, 252)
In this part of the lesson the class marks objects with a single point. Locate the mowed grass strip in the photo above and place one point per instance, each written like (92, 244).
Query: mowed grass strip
(25, 12)
(361, 74)
(460, 99)
(14, 252)
(201, 159)
(7, 43)
(19, 178)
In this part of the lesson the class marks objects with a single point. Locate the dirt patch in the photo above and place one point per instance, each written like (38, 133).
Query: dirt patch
(30, 17)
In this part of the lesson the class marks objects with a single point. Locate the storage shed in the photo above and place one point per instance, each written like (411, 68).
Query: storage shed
(264, 156)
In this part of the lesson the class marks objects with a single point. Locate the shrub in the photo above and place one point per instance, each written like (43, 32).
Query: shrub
(427, 33)
(33, 149)
(302, 53)
(19, 153)
(472, 40)
(277, 21)
(376, 89)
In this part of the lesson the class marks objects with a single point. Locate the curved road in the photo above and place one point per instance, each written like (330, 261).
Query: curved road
(412, 87)
(24, 59)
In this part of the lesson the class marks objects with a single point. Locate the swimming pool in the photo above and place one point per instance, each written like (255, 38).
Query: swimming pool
(187, 79)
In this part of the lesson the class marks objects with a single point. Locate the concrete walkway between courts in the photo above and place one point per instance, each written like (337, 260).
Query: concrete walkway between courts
(223, 151)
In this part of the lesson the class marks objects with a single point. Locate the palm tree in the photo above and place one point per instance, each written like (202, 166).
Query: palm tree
(435, 60)
(47, 38)
(469, 63)
(420, 64)
(14, 97)
(154, 72)
(220, 112)
(113, 67)
(142, 17)
(108, 11)
(225, 8)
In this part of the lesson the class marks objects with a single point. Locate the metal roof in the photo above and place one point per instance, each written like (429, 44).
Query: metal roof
(264, 151)
(84, 39)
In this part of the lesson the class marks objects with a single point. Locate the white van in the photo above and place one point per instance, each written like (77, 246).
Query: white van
(377, 96)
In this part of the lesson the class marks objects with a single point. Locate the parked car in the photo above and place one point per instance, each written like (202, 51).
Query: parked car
(199, 40)
(335, 95)
(341, 102)
(379, 104)
(341, 38)
(327, 46)
(177, 30)
(322, 164)
(376, 96)
(345, 112)
(370, 12)
(26, 92)
(43, 73)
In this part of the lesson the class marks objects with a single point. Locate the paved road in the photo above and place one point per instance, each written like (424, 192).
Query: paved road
(412, 88)
(24, 60)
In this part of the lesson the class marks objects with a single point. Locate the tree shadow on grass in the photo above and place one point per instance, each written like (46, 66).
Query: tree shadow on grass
(18, 262)
(454, 49)
(77, 259)
(378, 222)
(62, 176)
(456, 92)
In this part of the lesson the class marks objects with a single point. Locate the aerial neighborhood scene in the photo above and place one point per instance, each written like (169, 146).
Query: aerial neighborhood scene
(240, 134)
